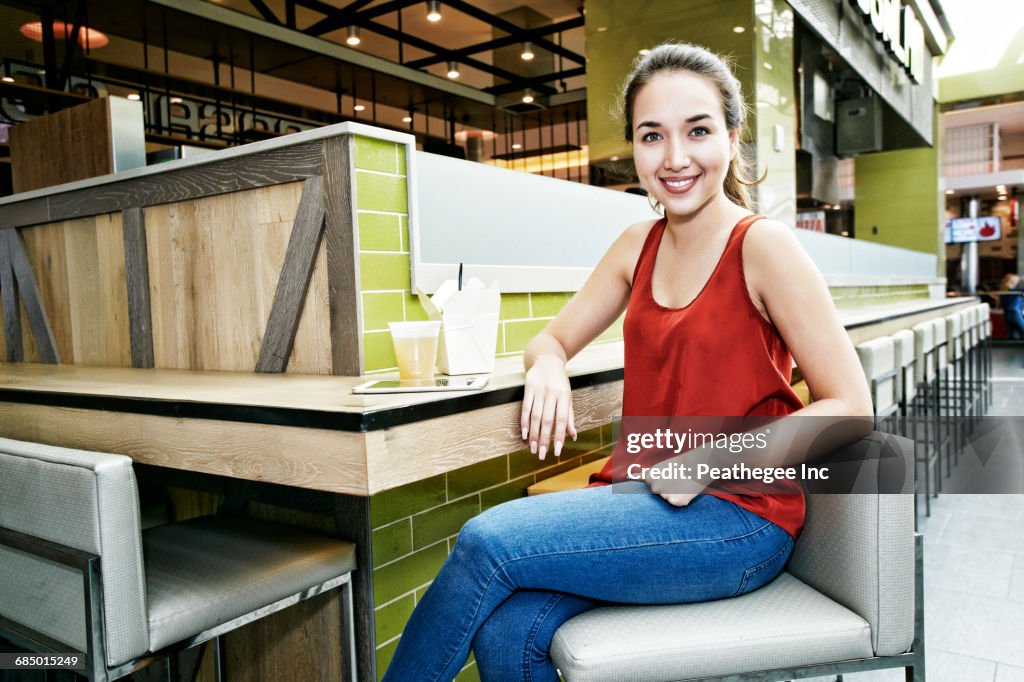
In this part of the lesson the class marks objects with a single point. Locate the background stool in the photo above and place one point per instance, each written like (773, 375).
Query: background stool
(78, 576)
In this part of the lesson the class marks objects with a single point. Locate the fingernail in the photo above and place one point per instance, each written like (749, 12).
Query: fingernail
(543, 451)
(558, 448)
(524, 434)
(533, 447)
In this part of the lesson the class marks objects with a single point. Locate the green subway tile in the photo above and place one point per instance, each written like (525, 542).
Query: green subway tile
(381, 193)
(419, 593)
(384, 656)
(403, 232)
(381, 308)
(406, 500)
(380, 232)
(548, 305)
(377, 155)
(515, 306)
(477, 476)
(384, 271)
(391, 619)
(468, 674)
(597, 454)
(518, 334)
(378, 351)
(512, 490)
(585, 442)
(413, 308)
(391, 542)
(524, 462)
(439, 523)
(566, 465)
(408, 573)
(401, 159)
(609, 432)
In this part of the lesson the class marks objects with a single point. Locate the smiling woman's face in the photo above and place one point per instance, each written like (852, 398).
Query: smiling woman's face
(681, 146)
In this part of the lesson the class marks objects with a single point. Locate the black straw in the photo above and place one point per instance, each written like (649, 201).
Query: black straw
(460, 276)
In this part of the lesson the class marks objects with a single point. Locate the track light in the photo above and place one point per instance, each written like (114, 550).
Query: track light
(453, 70)
(360, 107)
(353, 36)
(527, 53)
(407, 119)
(433, 11)
(528, 96)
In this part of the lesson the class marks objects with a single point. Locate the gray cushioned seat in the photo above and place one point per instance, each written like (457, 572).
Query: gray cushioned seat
(784, 624)
(208, 570)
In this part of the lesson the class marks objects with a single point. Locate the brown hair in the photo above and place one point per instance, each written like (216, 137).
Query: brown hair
(671, 57)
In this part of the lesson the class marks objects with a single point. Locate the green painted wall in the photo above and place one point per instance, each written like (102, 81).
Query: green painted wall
(898, 192)
(617, 30)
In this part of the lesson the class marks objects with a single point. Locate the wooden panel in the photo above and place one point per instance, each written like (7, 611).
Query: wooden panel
(47, 251)
(342, 240)
(136, 263)
(34, 306)
(214, 265)
(10, 304)
(293, 281)
(72, 144)
(24, 213)
(97, 293)
(306, 458)
(206, 180)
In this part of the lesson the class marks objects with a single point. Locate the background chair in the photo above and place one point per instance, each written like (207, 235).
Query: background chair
(850, 599)
(78, 576)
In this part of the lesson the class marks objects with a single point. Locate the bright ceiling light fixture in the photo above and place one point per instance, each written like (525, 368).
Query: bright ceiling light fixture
(453, 70)
(353, 38)
(433, 11)
(528, 96)
(739, 29)
(407, 119)
(360, 107)
(134, 96)
(527, 53)
(87, 37)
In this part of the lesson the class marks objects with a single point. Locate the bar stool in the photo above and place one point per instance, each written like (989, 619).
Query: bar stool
(910, 409)
(945, 414)
(927, 380)
(957, 396)
(986, 354)
(78, 576)
(878, 362)
(971, 319)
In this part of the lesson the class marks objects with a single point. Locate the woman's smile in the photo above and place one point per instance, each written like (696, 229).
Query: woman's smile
(679, 184)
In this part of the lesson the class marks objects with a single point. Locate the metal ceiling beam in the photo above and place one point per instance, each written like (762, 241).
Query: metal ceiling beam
(267, 13)
(395, 34)
(349, 15)
(525, 35)
(508, 27)
(537, 83)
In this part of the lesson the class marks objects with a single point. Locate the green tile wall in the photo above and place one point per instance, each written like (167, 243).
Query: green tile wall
(415, 526)
(383, 224)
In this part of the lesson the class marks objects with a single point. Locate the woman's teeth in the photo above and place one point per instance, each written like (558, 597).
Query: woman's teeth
(679, 184)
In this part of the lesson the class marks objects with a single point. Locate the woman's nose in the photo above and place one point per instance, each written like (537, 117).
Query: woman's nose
(676, 157)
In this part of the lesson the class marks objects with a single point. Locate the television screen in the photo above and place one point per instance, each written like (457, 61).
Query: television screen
(981, 229)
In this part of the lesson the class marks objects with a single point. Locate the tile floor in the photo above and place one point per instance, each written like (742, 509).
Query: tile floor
(974, 569)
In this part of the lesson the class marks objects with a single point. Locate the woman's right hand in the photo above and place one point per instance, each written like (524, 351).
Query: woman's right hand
(547, 412)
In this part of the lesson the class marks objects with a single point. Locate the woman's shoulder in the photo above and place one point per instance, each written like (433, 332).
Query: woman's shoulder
(767, 238)
(625, 251)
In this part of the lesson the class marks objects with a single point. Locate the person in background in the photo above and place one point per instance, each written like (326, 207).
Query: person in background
(720, 301)
(1011, 303)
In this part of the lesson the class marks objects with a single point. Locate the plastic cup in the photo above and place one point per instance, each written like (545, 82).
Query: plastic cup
(415, 349)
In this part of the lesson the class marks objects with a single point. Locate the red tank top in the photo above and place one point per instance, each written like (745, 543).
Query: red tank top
(717, 356)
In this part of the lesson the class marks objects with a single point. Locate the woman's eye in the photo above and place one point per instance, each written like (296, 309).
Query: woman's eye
(650, 137)
(700, 131)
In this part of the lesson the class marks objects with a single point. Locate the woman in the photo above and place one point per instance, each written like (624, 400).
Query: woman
(1011, 303)
(717, 298)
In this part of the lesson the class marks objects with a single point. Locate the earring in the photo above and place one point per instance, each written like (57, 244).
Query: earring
(655, 205)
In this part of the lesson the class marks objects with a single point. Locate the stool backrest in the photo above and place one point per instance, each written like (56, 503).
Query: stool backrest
(954, 334)
(88, 502)
(877, 359)
(859, 550)
(924, 342)
(903, 351)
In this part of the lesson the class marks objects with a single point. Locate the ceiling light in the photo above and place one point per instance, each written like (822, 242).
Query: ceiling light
(8, 79)
(738, 29)
(602, 29)
(527, 53)
(528, 96)
(353, 36)
(175, 100)
(950, 191)
(433, 11)
(845, 233)
(768, 66)
(360, 107)
(87, 37)
(407, 119)
(644, 52)
(453, 70)
(1002, 197)
(516, 145)
(134, 96)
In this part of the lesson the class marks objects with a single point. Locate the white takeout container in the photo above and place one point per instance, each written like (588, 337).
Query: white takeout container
(469, 325)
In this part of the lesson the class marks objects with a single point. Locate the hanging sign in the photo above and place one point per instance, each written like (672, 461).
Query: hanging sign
(899, 30)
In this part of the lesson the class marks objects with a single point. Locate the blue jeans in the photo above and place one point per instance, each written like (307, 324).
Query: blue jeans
(521, 569)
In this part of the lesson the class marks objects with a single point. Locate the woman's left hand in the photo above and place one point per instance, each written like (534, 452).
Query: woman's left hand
(678, 492)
